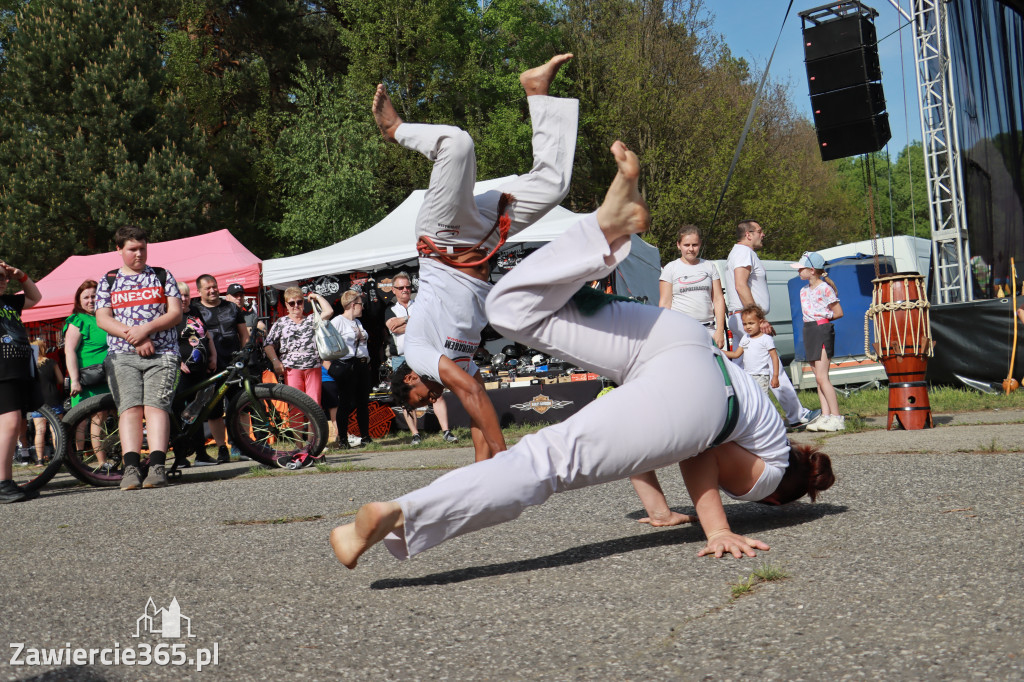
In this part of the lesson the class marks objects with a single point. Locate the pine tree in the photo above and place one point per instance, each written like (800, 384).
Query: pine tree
(90, 138)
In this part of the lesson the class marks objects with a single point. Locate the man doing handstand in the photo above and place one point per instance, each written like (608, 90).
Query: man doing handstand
(458, 232)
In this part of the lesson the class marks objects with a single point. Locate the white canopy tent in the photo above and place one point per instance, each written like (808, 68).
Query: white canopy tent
(392, 243)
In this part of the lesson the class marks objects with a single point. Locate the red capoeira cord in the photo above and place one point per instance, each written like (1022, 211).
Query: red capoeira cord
(427, 248)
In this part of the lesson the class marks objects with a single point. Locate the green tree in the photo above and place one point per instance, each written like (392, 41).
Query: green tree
(326, 156)
(89, 138)
(901, 179)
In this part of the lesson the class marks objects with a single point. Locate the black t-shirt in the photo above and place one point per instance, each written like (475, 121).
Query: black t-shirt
(221, 324)
(15, 353)
(52, 393)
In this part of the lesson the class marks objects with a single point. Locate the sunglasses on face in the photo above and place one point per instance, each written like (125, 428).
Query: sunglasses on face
(402, 288)
(293, 304)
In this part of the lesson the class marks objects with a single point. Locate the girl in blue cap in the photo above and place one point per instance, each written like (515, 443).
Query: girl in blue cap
(819, 303)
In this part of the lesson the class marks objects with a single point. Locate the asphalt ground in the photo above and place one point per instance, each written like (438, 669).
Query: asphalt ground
(909, 568)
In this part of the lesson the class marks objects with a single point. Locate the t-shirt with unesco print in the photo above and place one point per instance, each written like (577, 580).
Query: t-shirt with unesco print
(137, 299)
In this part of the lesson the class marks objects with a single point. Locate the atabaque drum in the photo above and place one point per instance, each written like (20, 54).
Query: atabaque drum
(899, 306)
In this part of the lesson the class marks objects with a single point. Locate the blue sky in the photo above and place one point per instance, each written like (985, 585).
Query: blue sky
(750, 28)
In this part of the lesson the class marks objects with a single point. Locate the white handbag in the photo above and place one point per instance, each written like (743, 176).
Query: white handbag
(329, 342)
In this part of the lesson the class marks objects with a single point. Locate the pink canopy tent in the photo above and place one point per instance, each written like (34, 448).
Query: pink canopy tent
(218, 254)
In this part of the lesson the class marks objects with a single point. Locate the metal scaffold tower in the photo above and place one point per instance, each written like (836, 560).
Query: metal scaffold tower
(950, 249)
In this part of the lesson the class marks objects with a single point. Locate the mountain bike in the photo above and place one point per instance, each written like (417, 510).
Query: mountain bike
(273, 424)
(33, 478)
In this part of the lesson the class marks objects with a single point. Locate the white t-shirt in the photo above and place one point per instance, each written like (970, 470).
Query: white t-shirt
(692, 288)
(449, 318)
(354, 334)
(399, 310)
(742, 256)
(757, 357)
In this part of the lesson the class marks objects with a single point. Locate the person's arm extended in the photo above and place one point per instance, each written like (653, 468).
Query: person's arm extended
(700, 474)
(774, 354)
(648, 489)
(733, 354)
(477, 405)
(741, 277)
(718, 303)
(72, 337)
(665, 295)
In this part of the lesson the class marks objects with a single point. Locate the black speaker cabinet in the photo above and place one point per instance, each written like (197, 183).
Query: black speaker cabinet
(859, 137)
(838, 35)
(843, 70)
(841, 107)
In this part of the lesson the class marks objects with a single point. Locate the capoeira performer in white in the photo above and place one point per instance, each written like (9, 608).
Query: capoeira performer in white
(722, 429)
(458, 232)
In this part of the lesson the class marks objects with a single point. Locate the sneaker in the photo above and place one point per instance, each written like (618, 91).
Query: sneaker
(23, 457)
(157, 477)
(223, 455)
(450, 437)
(416, 439)
(204, 460)
(10, 492)
(182, 462)
(836, 422)
(820, 423)
(237, 454)
(806, 419)
(132, 479)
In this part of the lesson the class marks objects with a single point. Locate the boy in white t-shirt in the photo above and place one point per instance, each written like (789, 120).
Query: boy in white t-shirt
(761, 360)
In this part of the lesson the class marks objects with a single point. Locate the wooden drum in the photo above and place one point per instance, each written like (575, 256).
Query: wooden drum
(899, 307)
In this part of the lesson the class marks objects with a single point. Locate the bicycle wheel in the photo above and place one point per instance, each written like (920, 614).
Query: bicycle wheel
(293, 424)
(36, 478)
(93, 453)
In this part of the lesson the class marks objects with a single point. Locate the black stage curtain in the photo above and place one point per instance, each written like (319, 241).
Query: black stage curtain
(987, 45)
(974, 341)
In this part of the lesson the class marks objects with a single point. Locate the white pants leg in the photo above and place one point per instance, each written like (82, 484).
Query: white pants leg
(785, 393)
(451, 215)
(651, 352)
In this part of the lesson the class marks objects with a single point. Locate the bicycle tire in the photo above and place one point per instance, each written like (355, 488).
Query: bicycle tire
(267, 441)
(80, 456)
(43, 476)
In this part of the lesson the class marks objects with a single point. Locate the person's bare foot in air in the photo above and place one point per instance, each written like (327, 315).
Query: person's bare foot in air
(670, 519)
(623, 211)
(537, 80)
(373, 522)
(384, 114)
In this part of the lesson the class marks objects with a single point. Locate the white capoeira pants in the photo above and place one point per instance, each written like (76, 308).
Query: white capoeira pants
(451, 215)
(785, 393)
(671, 401)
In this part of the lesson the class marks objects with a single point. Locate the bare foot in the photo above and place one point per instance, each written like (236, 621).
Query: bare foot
(537, 80)
(623, 211)
(384, 114)
(670, 519)
(373, 522)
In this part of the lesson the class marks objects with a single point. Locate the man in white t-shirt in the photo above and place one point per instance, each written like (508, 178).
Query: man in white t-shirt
(746, 282)
(396, 319)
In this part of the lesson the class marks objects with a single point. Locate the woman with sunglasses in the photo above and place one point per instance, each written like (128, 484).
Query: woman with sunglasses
(291, 347)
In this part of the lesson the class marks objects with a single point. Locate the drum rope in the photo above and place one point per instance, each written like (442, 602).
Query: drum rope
(918, 333)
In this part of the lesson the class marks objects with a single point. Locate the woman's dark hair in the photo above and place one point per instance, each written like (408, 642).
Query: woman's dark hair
(400, 389)
(809, 472)
(87, 284)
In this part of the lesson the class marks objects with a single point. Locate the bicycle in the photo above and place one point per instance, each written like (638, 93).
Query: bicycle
(32, 478)
(272, 424)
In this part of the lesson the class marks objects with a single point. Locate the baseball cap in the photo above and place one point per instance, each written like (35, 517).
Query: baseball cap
(235, 289)
(810, 259)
